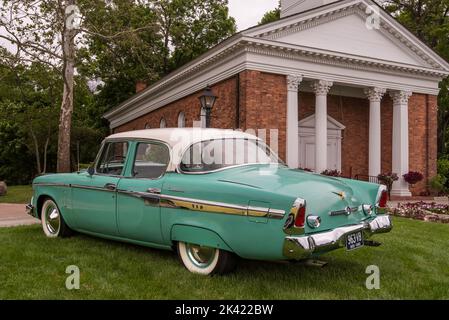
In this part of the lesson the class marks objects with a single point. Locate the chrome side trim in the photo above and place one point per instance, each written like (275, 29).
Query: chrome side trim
(155, 199)
(48, 184)
(174, 202)
(77, 186)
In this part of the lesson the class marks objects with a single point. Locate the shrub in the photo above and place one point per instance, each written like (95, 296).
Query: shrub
(331, 173)
(438, 184)
(413, 177)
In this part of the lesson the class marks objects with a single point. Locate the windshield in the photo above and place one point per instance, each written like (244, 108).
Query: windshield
(213, 155)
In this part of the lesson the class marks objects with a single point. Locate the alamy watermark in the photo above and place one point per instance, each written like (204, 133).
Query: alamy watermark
(373, 280)
(73, 17)
(72, 282)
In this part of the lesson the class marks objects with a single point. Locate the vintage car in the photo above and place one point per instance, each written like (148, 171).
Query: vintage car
(213, 196)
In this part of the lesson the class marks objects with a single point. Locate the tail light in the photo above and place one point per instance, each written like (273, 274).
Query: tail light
(300, 206)
(383, 199)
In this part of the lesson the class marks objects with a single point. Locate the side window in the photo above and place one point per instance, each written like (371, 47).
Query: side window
(113, 158)
(151, 160)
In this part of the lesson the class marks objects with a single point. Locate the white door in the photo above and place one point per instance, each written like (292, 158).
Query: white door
(307, 153)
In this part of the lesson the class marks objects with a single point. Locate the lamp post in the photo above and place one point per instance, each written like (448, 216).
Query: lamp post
(207, 100)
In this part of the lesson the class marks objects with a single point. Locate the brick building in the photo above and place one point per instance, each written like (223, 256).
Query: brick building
(346, 85)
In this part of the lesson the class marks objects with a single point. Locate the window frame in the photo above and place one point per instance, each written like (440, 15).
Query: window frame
(179, 169)
(100, 154)
(136, 149)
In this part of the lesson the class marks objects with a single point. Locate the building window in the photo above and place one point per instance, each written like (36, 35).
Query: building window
(163, 123)
(147, 126)
(181, 120)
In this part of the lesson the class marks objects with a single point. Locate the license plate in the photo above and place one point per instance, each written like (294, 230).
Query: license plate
(354, 240)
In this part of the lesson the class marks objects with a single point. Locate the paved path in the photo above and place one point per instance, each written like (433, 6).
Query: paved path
(12, 215)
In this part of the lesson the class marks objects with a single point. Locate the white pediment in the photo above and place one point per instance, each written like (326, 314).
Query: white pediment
(343, 28)
(332, 124)
(350, 35)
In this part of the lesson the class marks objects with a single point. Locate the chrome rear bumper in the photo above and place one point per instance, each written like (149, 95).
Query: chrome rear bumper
(302, 247)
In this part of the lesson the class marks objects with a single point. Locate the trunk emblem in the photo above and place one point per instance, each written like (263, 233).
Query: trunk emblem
(341, 194)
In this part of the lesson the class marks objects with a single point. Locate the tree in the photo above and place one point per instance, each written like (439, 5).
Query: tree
(176, 32)
(429, 20)
(29, 102)
(44, 31)
(193, 27)
(271, 16)
(51, 32)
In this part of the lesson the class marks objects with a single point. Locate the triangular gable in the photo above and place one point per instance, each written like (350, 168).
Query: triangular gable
(332, 124)
(341, 27)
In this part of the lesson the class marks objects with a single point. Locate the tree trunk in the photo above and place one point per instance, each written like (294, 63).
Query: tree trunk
(36, 152)
(45, 156)
(65, 121)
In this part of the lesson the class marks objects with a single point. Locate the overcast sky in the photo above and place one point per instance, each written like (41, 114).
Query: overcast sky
(248, 13)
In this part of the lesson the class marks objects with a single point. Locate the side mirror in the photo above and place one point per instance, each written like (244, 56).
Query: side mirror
(91, 171)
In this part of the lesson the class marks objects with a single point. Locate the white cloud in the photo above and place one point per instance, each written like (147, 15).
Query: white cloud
(248, 13)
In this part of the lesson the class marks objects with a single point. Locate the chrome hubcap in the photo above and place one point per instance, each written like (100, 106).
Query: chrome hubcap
(52, 218)
(201, 256)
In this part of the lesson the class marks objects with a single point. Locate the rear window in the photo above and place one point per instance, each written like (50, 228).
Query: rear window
(213, 155)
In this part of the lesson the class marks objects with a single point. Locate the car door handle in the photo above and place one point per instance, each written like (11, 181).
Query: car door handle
(110, 186)
(154, 190)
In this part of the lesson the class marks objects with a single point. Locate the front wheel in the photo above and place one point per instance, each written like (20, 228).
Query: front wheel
(53, 223)
(206, 260)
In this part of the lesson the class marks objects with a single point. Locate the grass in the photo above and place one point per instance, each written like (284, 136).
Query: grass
(17, 194)
(413, 260)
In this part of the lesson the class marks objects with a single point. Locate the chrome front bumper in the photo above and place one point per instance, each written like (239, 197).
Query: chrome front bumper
(303, 247)
(29, 209)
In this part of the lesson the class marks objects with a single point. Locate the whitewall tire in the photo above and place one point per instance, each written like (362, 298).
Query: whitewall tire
(205, 260)
(53, 223)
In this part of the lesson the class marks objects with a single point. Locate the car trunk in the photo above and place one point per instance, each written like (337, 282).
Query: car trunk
(326, 197)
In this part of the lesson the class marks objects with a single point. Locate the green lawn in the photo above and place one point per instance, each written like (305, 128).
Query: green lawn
(413, 260)
(17, 194)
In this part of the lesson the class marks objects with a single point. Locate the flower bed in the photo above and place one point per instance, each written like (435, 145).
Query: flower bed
(425, 211)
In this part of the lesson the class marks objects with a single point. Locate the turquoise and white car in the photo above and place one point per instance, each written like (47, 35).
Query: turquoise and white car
(159, 188)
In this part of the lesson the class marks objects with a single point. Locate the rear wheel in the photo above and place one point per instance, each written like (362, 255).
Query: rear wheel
(205, 260)
(53, 223)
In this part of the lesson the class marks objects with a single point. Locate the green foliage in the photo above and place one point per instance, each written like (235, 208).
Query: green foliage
(438, 184)
(168, 34)
(443, 175)
(271, 16)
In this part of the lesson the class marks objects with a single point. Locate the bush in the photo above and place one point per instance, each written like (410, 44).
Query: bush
(438, 184)
(331, 173)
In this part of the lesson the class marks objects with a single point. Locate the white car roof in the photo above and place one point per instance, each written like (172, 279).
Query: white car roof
(179, 139)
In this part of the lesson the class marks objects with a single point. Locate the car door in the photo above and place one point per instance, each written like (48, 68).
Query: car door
(139, 213)
(94, 199)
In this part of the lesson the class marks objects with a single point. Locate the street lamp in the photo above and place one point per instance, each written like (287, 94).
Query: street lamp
(207, 100)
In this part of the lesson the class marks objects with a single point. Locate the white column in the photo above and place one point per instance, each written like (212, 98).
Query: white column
(375, 158)
(321, 89)
(292, 147)
(400, 158)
